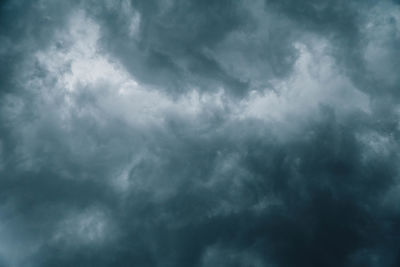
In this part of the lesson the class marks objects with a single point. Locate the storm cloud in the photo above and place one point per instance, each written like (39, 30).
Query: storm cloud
(199, 133)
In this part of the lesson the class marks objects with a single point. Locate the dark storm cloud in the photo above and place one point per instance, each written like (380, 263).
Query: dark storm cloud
(180, 44)
(354, 28)
(324, 208)
(170, 49)
(202, 44)
(119, 148)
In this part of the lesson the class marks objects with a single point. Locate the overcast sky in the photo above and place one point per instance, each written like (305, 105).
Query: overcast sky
(207, 133)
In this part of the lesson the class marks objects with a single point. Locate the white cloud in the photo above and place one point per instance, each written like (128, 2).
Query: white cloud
(315, 81)
(88, 227)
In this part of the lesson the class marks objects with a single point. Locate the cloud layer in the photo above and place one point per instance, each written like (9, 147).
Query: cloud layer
(199, 133)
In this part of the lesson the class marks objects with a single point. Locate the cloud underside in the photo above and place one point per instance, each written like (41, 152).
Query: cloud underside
(199, 133)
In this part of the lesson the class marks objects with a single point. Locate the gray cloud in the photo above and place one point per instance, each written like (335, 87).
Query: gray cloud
(200, 133)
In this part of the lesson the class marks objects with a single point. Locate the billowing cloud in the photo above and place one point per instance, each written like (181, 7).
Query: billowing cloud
(199, 133)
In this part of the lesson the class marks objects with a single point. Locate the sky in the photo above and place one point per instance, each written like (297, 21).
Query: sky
(199, 133)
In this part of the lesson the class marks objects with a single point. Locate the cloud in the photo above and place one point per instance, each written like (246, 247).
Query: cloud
(199, 133)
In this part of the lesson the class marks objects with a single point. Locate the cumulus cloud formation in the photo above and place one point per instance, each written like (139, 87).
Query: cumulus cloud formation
(199, 133)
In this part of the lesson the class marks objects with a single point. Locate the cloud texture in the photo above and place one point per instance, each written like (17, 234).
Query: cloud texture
(199, 133)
